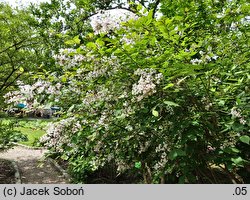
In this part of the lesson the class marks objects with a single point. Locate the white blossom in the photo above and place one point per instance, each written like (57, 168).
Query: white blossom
(243, 121)
(235, 113)
(105, 21)
(196, 61)
(146, 85)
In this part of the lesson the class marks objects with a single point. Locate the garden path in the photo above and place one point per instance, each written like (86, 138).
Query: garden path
(33, 168)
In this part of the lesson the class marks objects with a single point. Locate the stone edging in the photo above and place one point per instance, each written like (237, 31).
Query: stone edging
(28, 147)
(17, 173)
(51, 161)
(60, 169)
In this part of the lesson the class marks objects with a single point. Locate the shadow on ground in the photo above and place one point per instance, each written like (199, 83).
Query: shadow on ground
(33, 168)
(34, 171)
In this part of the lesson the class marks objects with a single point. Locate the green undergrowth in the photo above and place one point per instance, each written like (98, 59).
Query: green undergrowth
(33, 129)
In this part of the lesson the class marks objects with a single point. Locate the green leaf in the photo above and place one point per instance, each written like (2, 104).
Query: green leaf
(171, 103)
(138, 165)
(212, 89)
(77, 40)
(168, 21)
(221, 103)
(90, 35)
(238, 127)
(150, 17)
(235, 150)
(245, 139)
(155, 113)
(168, 86)
(100, 42)
(91, 45)
(237, 160)
(74, 41)
(118, 51)
(231, 150)
(238, 101)
(71, 108)
(64, 79)
(172, 155)
(139, 7)
(195, 123)
(178, 18)
(175, 153)
(64, 157)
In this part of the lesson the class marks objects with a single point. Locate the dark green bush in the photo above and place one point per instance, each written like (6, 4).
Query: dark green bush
(8, 135)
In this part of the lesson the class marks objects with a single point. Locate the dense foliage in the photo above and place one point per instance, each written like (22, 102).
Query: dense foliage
(8, 135)
(17, 46)
(166, 98)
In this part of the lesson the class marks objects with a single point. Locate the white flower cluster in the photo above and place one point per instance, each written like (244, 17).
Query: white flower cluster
(69, 58)
(146, 85)
(105, 66)
(126, 112)
(144, 147)
(55, 136)
(205, 57)
(92, 96)
(103, 121)
(27, 94)
(126, 39)
(237, 114)
(107, 20)
(96, 73)
(196, 61)
(14, 97)
(121, 166)
(103, 25)
(162, 149)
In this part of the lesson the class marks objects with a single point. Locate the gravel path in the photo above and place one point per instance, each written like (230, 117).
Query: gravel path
(33, 169)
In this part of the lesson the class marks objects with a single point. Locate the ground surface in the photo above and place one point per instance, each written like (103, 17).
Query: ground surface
(8, 175)
(32, 167)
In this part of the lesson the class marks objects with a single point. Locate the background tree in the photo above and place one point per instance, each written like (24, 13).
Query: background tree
(60, 20)
(20, 54)
(18, 48)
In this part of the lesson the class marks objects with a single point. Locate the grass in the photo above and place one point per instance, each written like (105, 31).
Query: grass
(33, 135)
(32, 128)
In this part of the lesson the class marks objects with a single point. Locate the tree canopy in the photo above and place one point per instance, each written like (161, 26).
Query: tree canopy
(17, 45)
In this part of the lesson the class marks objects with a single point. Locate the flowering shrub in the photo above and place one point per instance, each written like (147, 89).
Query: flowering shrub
(33, 95)
(105, 21)
(171, 104)
(146, 86)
